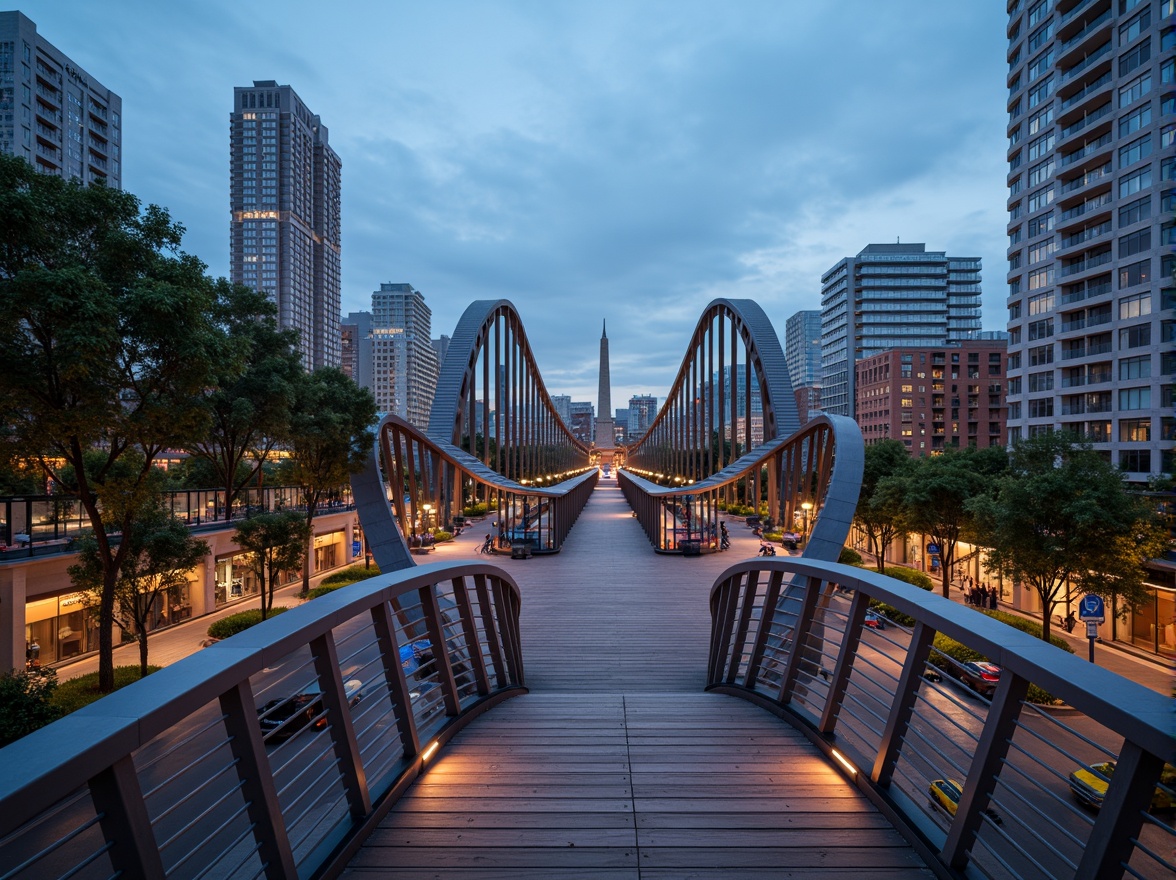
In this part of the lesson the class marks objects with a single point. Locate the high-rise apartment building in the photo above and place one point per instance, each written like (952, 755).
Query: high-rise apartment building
(563, 406)
(355, 333)
(891, 296)
(582, 423)
(642, 412)
(1092, 191)
(53, 113)
(802, 352)
(404, 363)
(285, 228)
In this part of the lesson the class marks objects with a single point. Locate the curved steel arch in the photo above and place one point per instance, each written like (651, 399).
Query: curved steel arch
(686, 414)
(486, 322)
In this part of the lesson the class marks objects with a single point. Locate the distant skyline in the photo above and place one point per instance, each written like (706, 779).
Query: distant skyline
(619, 160)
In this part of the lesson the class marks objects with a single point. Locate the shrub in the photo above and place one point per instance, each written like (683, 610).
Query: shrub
(322, 590)
(26, 702)
(475, 510)
(82, 691)
(242, 620)
(1030, 626)
(349, 575)
(773, 536)
(916, 578)
(849, 556)
(440, 536)
(910, 576)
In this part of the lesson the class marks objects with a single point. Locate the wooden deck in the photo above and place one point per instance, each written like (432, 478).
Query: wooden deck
(617, 764)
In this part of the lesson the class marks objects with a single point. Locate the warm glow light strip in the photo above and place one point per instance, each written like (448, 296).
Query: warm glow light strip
(429, 750)
(844, 762)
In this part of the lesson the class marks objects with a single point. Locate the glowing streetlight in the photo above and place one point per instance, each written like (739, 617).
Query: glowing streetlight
(806, 506)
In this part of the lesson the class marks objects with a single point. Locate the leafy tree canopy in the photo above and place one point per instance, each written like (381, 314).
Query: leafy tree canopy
(110, 337)
(1063, 514)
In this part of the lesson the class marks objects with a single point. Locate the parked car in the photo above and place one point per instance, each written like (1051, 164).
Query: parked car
(1090, 786)
(283, 717)
(874, 620)
(981, 676)
(945, 796)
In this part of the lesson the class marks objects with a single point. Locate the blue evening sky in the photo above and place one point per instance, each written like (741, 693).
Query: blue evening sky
(586, 160)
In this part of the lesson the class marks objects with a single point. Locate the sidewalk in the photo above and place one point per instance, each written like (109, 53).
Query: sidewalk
(1149, 670)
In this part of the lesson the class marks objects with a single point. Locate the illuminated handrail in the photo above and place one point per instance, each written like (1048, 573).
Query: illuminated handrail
(173, 776)
(801, 639)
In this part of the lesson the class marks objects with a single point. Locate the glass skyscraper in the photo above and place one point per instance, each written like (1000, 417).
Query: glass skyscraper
(285, 228)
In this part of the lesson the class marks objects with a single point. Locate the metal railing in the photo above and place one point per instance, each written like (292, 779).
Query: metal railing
(813, 479)
(982, 775)
(274, 752)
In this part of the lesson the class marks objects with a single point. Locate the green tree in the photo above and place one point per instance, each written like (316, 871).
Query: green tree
(330, 437)
(249, 410)
(26, 702)
(1063, 517)
(936, 492)
(159, 554)
(108, 342)
(879, 514)
(277, 542)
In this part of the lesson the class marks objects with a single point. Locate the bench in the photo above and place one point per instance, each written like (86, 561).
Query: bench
(520, 550)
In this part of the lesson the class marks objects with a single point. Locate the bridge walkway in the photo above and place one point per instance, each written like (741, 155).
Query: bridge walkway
(617, 764)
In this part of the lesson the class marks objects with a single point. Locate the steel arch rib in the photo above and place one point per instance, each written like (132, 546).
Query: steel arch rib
(461, 360)
(771, 368)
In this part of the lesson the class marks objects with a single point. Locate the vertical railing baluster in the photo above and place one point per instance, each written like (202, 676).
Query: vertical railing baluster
(253, 769)
(740, 636)
(339, 726)
(431, 609)
(901, 710)
(991, 749)
(490, 627)
(473, 647)
(804, 621)
(397, 681)
(767, 618)
(1120, 818)
(723, 616)
(123, 816)
(839, 680)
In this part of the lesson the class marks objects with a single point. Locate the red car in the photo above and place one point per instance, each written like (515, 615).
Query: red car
(981, 676)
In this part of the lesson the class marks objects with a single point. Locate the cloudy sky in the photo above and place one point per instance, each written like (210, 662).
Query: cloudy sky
(586, 160)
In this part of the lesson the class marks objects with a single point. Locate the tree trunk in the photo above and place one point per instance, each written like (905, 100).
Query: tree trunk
(106, 632)
(311, 505)
(142, 652)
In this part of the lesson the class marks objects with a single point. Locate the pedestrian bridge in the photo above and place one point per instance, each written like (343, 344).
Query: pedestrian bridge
(605, 710)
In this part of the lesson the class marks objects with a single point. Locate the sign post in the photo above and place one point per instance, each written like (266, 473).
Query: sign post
(1092, 612)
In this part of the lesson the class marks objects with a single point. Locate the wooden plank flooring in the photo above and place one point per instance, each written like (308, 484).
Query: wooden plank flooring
(617, 765)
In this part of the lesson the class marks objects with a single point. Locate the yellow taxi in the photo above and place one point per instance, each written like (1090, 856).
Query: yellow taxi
(1090, 786)
(945, 796)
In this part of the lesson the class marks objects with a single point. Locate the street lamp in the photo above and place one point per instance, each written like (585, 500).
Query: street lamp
(806, 506)
(428, 516)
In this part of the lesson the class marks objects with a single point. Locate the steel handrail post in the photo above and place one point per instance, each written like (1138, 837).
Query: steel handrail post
(339, 724)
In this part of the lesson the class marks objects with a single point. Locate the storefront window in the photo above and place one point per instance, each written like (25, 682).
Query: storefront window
(57, 629)
(1153, 625)
(235, 578)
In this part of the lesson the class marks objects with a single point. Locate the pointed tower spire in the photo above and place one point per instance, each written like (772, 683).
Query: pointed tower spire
(604, 419)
